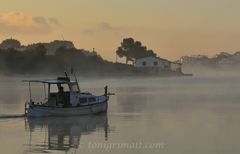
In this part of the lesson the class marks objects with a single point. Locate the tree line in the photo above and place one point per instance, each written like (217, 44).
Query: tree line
(36, 61)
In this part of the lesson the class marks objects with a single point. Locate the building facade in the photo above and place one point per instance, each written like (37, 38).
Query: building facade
(149, 62)
(157, 63)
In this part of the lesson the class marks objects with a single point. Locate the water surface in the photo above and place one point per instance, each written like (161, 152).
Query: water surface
(147, 115)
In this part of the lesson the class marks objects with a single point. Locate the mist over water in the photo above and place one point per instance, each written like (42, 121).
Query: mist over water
(198, 114)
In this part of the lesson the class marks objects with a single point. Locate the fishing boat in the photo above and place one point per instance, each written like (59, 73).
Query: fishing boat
(68, 100)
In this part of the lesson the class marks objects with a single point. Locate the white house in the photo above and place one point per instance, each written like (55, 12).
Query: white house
(158, 63)
(152, 62)
(177, 67)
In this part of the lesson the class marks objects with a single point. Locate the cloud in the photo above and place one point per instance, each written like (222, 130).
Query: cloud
(102, 27)
(54, 21)
(18, 22)
(106, 26)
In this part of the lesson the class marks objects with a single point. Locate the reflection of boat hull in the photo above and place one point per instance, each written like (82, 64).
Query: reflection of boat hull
(44, 111)
(64, 133)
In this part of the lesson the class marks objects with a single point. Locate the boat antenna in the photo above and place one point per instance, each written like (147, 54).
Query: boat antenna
(62, 37)
(66, 74)
(73, 72)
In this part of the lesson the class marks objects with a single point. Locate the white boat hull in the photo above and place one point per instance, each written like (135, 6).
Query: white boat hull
(44, 111)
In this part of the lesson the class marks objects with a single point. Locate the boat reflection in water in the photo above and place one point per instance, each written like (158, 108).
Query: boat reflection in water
(63, 133)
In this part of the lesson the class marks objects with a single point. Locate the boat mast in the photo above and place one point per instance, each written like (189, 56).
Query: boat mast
(76, 81)
(73, 72)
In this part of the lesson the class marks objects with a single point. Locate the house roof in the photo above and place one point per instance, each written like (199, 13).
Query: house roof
(176, 63)
(159, 59)
(152, 57)
(52, 81)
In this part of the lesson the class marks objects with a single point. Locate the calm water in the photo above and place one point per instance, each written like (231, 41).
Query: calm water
(154, 115)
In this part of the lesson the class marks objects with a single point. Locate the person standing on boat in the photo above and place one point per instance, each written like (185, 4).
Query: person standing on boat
(105, 90)
(62, 99)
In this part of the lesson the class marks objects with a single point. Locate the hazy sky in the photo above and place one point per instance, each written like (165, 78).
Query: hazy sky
(171, 28)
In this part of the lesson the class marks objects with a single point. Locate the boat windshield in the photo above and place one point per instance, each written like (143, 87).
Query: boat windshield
(54, 88)
(74, 87)
(65, 87)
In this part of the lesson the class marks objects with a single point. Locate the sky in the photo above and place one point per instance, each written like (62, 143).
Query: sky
(172, 28)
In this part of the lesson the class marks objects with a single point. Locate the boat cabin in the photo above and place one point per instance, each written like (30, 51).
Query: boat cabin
(62, 92)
